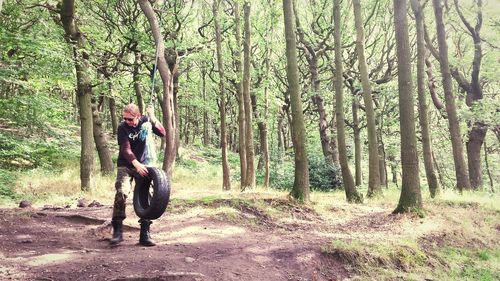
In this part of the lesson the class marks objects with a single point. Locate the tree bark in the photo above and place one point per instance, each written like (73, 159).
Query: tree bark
(357, 141)
(112, 110)
(101, 142)
(84, 91)
(167, 103)
(476, 130)
(411, 197)
(461, 172)
(374, 187)
(300, 190)
(250, 173)
(351, 193)
(241, 99)
(226, 182)
(430, 172)
(137, 82)
(206, 123)
(476, 135)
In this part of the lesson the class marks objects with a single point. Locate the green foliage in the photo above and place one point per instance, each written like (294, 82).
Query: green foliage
(281, 174)
(7, 179)
(38, 113)
(323, 176)
(17, 152)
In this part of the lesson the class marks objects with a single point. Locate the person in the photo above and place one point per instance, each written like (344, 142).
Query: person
(131, 160)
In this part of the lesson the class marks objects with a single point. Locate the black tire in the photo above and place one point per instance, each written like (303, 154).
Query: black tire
(151, 194)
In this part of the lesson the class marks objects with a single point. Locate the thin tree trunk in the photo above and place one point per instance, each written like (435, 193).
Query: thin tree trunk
(411, 197)
(226, 182)
(206, 135)
(394, 169)
(281, 146)
(263, 123)
(101, 143)
(300, 190)
(333, 142)
(461, 172)
(84, 91)
(241, 100)
(351, 193)
(112, 110)
(250, 173)
(422, 101)
(374, 187)
(137, 82)
(177, 115)
(357, 141)
(488, 167)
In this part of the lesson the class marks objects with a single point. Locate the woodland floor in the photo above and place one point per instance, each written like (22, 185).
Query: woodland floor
(48, 243)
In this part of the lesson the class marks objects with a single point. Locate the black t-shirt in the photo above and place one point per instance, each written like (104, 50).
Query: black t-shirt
(126, 133)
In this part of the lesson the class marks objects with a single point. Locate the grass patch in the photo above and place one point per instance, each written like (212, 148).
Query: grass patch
(472, 264)
(366, 257)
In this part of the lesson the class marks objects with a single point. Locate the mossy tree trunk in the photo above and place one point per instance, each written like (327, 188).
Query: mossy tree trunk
(461, 172)
(374, 187)
(430, 172)
(250, 173)
(352, 194)
(411, 198)
(300, 190)
(84, 91)
(226, 182)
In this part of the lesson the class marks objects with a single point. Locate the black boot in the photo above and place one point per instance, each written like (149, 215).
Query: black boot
(117, 232)
(144, 238)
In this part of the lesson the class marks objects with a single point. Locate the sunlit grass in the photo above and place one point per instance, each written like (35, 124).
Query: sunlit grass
(61, 188)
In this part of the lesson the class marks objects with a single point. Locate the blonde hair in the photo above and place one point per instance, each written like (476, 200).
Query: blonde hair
(132, 109)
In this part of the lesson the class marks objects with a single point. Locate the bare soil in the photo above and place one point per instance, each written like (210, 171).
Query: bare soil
(72, 244)
(193, 244)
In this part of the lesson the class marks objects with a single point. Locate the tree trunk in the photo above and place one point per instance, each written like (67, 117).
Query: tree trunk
(206, 126)
(351, 193)
(167, 104)
(241, 100)
(101, 143)
(357, 141)
(323, 127)
(264, 147)
(411, 197)
(137, 82)
(112, 110)
(477, 133)
(84, 91)
(374, 187)
(422, 101)
(177, 135)
(281, 146)
(300, 190)
(226, 182)
(486, 163)
(453, 123)
(333, 142)
(394, 169)
(250, 173)
(476, 130)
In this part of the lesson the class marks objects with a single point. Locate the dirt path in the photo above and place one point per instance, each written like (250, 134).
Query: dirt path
(71, 244)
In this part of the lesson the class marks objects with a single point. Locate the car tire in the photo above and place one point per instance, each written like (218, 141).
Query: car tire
(151, 194)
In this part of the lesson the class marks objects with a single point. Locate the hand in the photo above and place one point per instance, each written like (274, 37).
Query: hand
(141, 168)
(150, 111)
